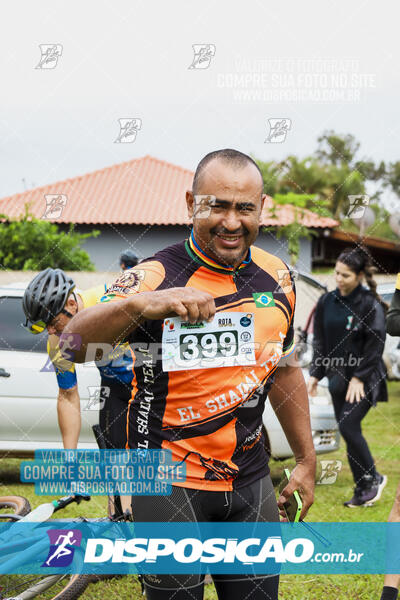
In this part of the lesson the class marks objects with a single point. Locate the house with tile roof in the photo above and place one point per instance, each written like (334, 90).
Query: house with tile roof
(140, 204)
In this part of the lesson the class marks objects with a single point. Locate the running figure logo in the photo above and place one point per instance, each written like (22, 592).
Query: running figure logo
(69, 342)
(61, 553)
(203, 54)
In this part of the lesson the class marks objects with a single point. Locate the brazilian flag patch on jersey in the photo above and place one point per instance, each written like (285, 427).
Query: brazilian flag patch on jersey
(264, 299)
(107, 298)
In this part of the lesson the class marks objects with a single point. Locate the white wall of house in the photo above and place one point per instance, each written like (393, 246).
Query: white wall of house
(104, 250)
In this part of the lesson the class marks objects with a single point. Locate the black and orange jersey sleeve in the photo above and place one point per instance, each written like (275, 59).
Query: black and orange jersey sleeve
(145, 277)
(289, 341)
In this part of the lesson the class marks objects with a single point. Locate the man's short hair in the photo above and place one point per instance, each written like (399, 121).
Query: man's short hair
(234, 158)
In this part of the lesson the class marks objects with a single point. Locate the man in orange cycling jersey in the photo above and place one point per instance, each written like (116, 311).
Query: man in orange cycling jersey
(216, 306)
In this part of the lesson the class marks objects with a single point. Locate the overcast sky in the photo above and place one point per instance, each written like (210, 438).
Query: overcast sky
(330, 65)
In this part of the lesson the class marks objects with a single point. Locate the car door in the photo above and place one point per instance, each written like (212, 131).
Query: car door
(28, 385)
(391, 353)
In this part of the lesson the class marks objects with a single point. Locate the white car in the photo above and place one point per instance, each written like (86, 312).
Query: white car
(28, 385)
(391, 355)
(28, 394)
(323, 425)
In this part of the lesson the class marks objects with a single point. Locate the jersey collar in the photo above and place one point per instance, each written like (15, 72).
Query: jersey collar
(198, 254)
(354, 296)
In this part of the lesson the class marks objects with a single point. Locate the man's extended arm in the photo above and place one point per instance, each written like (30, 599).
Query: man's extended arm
(105, 323)
(112, 322)
(289, 399)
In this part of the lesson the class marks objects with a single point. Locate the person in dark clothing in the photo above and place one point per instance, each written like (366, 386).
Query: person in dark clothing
(392, 581)
(115, 394)
(349, 337)
(393, 316)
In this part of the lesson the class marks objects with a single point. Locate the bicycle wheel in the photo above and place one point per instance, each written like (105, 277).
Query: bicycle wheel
(18, 504)
(46, 587)
(53, 587)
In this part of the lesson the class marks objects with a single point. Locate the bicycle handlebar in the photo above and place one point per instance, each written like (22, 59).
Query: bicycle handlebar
(61, 503)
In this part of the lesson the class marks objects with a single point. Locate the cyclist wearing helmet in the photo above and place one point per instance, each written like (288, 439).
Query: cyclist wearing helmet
(128, 260)
(50, 301)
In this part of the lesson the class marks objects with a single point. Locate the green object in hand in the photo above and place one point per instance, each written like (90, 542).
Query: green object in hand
(294, 504)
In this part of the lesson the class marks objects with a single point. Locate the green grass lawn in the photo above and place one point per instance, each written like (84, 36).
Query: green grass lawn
(382, 430)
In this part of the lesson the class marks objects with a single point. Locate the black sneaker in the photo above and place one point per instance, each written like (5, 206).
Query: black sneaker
(367, 495)
(356, 499)
(378, 484)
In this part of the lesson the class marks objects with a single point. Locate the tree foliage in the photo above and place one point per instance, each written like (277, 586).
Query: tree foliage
(330, 175)
(334, 149)
(27, 243)
(380, 228)
(295, 231)
(392, 179)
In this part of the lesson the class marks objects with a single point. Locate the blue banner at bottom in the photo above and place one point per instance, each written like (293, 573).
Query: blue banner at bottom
(59, 546)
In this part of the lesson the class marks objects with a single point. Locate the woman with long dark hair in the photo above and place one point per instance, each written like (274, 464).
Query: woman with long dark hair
(349, 337)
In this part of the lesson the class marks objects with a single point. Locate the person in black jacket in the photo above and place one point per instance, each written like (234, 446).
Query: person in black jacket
(349, 337)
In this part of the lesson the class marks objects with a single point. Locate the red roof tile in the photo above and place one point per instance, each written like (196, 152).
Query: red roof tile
(142, 191)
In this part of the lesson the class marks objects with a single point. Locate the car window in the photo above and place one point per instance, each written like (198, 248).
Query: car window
(12, 335)
(306, 298)
(387, 297)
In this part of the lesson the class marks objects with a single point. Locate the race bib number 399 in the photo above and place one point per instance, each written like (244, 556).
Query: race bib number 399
(228, 340)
